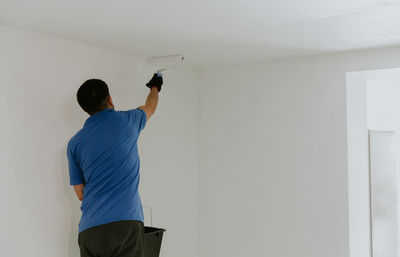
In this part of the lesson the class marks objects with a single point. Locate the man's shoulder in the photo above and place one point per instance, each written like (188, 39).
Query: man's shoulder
(130, 111)
(75, 138)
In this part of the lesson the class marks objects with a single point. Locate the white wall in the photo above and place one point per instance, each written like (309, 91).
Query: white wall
(272, 152)
(39, 77)
(273, 156)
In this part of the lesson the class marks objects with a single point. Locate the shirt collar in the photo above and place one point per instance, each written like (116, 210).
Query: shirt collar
(97, 116)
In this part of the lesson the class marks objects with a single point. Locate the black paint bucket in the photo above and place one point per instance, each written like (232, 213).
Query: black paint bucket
(152, 241)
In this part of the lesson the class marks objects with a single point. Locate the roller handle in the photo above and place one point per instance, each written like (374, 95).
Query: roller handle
(160, 72)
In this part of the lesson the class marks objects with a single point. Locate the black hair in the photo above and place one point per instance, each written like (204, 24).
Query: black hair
(93, 95)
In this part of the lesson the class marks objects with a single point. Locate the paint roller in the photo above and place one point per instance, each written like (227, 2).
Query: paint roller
(166, 62)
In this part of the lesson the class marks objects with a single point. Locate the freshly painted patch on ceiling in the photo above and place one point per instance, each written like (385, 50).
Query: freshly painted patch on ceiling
(213, 32)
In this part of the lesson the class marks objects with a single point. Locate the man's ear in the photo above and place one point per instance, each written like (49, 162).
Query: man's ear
(110, 102)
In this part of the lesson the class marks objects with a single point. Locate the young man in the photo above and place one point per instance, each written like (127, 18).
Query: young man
(104, 170)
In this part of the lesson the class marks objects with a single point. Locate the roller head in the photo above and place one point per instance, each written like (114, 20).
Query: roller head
(168, 60)
(164, 62)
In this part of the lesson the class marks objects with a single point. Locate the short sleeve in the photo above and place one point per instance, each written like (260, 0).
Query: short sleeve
(138, 119)
(75, 174)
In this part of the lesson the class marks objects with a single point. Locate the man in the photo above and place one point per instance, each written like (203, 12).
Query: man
(104, 170)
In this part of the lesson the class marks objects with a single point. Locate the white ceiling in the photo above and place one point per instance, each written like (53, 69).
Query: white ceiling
(213, 32)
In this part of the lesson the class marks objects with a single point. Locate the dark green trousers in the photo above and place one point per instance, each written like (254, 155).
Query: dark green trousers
(123, 238)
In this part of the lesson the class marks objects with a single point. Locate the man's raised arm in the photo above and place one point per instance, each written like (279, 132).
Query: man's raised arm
(152, 99)
(151, 103)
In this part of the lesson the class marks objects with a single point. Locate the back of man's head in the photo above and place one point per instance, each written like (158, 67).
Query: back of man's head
(93, 96)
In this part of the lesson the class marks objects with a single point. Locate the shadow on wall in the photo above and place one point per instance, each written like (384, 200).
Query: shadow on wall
(73, 208)
(72, 116)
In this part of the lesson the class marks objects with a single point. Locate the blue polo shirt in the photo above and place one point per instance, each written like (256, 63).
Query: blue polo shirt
(104, 156)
